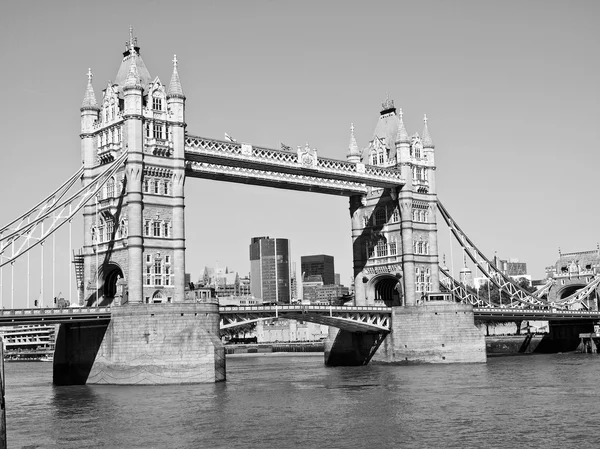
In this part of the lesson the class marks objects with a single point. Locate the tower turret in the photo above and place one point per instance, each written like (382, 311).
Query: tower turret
(176, 123)
(402, 146)
(89, 115)
(353, 154)
(429, 155)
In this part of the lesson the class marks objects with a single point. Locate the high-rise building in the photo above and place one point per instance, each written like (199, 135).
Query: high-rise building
(318, 265)
(270, 269)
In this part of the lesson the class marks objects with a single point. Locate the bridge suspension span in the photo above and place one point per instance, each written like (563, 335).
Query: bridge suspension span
(502, 281)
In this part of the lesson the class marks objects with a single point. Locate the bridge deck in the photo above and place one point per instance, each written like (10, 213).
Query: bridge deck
(353, 318)
(12, 317)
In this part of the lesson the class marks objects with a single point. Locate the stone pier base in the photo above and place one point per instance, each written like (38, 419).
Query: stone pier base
(143, 344)
(344, 348)
(434, 332)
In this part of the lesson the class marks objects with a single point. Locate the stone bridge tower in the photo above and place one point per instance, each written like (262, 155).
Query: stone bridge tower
(134, 229)
(394, 232)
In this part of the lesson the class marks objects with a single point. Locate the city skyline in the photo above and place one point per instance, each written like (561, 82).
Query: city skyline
(509, 90)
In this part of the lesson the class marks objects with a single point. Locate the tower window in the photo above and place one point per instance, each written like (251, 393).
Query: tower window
(380, 216)
(157, 131)
(147, 228)
(110, 188)
(157, 187)
(381, 248)
(157, 103)
(156, 229)
(166, 229)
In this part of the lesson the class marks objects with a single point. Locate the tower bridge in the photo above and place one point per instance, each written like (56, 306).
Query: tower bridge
(137, 156)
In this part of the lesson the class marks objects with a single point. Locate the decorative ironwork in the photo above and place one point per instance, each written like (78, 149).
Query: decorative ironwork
(459, 291)
(233, 153)
(351, 318)
(508, 285)
(308, 182)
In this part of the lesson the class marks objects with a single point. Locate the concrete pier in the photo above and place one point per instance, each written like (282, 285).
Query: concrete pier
(433, 332)
(143, 344)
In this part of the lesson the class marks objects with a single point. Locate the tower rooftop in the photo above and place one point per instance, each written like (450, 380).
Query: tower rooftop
(131, 55)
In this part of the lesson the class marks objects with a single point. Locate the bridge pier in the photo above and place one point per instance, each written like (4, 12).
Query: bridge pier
(143, 344)
(432, 332)
(345, 348)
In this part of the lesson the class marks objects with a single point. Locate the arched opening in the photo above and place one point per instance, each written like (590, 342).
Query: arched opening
(111, 273)
(158, 297)
(569, 290)
(387, 289)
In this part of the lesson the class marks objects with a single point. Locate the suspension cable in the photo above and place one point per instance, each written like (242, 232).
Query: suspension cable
(75, 203)
(53, 197)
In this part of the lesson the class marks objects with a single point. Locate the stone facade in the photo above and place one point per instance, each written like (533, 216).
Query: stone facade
(134, 230)
(571, 272)
(394, 231)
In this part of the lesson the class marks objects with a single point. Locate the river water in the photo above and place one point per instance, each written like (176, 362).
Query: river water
(290, 401)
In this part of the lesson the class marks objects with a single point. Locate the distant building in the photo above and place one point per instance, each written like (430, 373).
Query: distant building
(270, 277)
(329, 294)
(289, 330)
(294, 283)
(511, 268)
(320, 264)
(309, 287)
(223, 282)
(29, 342)
(338, 279)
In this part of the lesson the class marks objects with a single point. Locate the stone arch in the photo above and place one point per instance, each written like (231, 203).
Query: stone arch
(158, 297)
(386, 288)
(110, 273)
(568, 290)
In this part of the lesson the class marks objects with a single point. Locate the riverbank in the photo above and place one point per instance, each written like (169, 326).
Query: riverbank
(495, 345)
(267, 348)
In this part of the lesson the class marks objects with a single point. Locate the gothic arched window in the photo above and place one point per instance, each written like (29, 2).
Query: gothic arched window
(380, 216)
(110, 188)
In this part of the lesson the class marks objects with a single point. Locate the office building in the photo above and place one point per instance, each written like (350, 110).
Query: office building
(318, 265)
(270, 269)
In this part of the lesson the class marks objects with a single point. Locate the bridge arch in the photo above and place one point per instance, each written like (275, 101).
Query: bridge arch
(386, 288)
(568, 290)
(110, 273)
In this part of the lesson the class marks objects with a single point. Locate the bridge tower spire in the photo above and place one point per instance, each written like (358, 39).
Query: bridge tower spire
(176, 124)
(353, 154)
(90, 113)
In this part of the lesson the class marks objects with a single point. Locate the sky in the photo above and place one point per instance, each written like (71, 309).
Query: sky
(510, 90)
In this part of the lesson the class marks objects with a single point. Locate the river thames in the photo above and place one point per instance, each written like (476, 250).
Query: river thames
(290, 401)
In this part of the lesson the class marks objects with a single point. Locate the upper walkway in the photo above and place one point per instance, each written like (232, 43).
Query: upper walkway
(296, 170)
